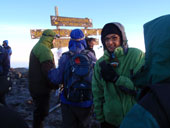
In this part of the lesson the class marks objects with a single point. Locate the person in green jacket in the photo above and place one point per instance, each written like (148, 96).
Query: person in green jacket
(40, 62)
(153, 107)
(113, 90)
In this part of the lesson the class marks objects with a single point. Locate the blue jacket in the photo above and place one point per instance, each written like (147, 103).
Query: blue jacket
(7, 49)
(56, 75)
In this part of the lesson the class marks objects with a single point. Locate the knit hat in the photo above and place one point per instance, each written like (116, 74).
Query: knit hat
(115, 28)
(77, 34)
(77, 39)
(110, 28)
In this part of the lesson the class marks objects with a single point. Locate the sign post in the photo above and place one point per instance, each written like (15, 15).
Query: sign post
(65, 33)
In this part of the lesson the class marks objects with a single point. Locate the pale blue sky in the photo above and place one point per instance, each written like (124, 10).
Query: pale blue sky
(17, 17)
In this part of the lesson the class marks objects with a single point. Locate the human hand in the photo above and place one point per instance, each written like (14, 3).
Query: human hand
(107, 72)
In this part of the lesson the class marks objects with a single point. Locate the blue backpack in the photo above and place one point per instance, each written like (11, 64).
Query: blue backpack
(78, 77)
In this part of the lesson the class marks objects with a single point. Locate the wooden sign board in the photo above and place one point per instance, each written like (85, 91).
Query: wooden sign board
(70, 21)
(36, 33)
(63, 42)
(59, 43)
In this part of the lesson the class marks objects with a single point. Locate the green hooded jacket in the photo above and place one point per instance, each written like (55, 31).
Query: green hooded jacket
(157, 56)
(41, 61)
(155, 74)
(110, 103)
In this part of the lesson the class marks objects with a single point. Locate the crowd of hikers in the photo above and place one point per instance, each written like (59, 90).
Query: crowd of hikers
(124, 88)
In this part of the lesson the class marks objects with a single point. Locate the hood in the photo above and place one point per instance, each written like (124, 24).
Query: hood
(47, 38)
(157, 56)
(107, 30)
(5, 42)
(77, 41)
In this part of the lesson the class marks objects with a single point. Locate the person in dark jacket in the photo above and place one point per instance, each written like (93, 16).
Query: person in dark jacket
(40, 62)
(90, 44)
(7, 48)
(4, 69)
(8, 117)
(112, 86)
(74, 114)
(153, 107)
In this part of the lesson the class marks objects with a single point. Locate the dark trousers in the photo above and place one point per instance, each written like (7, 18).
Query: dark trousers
(75, 117)
(41, 108)
(2, 99)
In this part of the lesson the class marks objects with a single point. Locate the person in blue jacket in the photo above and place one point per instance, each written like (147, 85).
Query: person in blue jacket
(74, 114)
(153, 107)
(7, 49)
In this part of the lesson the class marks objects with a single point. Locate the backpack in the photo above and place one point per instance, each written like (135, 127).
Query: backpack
(78, 77)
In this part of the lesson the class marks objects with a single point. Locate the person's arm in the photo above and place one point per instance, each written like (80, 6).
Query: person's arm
(55, 75)
(46, 66)
(138, 61)
(98, 94)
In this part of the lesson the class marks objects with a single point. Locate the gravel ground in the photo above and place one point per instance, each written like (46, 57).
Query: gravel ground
(20, 100)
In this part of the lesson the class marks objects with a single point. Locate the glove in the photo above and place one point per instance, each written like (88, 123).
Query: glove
(107, 72)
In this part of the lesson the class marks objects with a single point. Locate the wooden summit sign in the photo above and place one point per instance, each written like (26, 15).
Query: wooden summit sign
(70, 21)
(65, 33)
(36, 33)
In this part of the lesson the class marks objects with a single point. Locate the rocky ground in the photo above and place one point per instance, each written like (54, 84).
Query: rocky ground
(20, 100)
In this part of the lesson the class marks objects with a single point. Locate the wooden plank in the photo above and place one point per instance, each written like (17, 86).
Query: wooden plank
(36, 33)
(63, 42)
(70, 21)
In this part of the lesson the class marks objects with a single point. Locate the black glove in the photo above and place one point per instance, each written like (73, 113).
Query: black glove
(107, 72)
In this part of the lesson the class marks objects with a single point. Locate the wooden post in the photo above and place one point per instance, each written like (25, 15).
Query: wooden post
(56, 13)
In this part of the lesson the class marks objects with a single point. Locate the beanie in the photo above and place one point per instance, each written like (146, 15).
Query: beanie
(77, 39)
(110, 28)
(77, 34)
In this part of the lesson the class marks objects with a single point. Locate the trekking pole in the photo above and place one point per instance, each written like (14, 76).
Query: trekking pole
(58, 102)
(55, 107)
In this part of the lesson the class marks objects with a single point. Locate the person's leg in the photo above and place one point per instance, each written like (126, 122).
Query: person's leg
(69, 119)
(83, 116)
(2, 99)
(41, 108)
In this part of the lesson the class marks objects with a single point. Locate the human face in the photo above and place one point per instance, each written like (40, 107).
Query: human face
(91, 44)
(4, 44)
(54, 40)
(112, 41)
